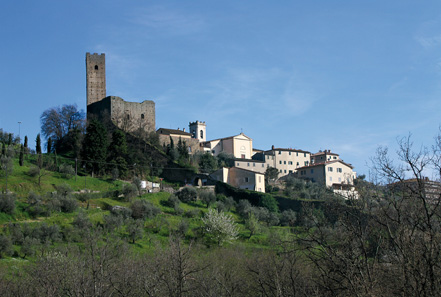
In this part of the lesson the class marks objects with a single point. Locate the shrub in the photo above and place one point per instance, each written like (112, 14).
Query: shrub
(187, 194)
(46, 233)
(142, 209)
(137, 183)
(124, 212)
(5, 246)
(111, 222)
(64, 190)
(207, 197)
(129, 191)
(178, 211)
(84, 196)
(243, 208)
(192, 213)
(7, 203)
(34, 171)
(288, 218)
(67, 171)
(81, 221)
(68, 204)
(182, 227)
(172, 201)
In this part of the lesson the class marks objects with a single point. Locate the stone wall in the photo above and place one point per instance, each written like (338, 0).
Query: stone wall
(128, 116)
(190, 142)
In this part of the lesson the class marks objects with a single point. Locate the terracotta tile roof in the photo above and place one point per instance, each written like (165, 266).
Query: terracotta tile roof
(286, 150)
(166, 131)
(326, 163)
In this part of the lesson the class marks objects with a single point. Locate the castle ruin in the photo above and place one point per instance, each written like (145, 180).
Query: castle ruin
(127, 116)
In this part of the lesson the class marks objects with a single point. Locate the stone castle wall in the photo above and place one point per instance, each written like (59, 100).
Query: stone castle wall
(128, 116)
(192, 143)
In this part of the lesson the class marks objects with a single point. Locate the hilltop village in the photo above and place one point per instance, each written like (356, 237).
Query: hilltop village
(250, 164)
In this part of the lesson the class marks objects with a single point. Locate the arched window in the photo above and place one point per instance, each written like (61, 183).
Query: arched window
(96, 67)
(142, 116)
(202, 134)
(128, 117)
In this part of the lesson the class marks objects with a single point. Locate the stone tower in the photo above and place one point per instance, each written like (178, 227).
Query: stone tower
(95, 77)
(198, 130)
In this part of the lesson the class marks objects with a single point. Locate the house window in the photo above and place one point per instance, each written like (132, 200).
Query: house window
(284, 162)
(248, 164)
(330, 169)
(339, 170)
(280, 162)
(128, 117)
(335, 157)
(202, 134)
(213, 151)
(339, 179)
(330, 178)
(290, 171)
(289, 153)
(189, 149)
(285, 171)
(142, 116)
(263, 165)
(254, 164)
(242, 156)
(306, 163)
(297, 154)
(96, 67)
(238, 164)
(304, 154)
(289, 162)
(280, 170)
(280, 152)
(298, 164)
(246, 179)
(312, 170)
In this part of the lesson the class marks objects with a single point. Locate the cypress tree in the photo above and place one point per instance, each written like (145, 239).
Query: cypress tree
(26, 142)
(118, 152)
(20, 160)
(49, 145)
(95, 146)
(3, 149)
(10, 139)
(38, 144)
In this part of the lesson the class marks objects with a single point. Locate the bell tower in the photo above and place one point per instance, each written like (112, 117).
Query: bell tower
(198, 130)
(95, 77)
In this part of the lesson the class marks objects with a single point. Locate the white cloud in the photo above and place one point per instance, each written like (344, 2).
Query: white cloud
(429, 41)
(298, 97)
(429, 34)
(166, 19)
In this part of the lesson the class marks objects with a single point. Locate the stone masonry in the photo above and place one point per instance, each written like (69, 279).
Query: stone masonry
(95, 77)
(128, 116)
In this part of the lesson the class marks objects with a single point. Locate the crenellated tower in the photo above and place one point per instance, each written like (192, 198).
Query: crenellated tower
(95, 77)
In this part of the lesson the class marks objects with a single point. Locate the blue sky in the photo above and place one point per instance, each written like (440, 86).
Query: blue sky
(341, 75)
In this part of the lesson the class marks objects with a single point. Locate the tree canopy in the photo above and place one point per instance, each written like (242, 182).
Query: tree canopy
(56, 122)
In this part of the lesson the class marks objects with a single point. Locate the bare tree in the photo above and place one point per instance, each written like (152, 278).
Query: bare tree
(56, 122)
